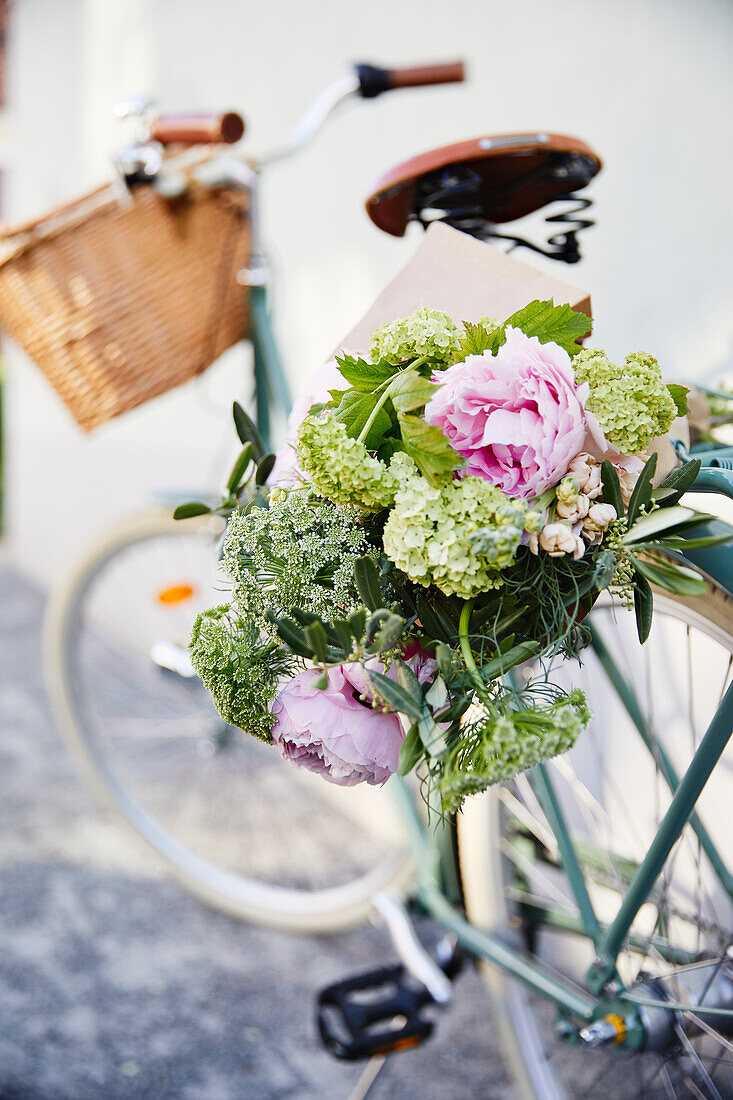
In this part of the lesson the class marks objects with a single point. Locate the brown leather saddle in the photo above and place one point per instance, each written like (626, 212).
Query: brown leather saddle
(476, 185)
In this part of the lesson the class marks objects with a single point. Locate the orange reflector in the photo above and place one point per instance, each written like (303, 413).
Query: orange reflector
(177, 593)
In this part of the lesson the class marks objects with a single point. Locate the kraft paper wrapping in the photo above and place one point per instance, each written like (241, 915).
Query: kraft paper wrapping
(466, 278)
(470, 279)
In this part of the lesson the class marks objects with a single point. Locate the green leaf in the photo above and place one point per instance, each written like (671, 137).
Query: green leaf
(411, 750)
(374, 622)
(357, 623)
(643, 607)
(517, 655)
(362, 376)
(457, 708)
(604, 569)
(291, 634)
(409, 682)
(247, 431)
(642, 493)
(681, 479)
(444, 657)
(437, 696)
(388, 449)
(675, 578)
(366, 578)
(316, 638)
(432, 625)
(343, 634)
(321, 682)
(239, 468)
(476, 339)
(394, 695)
(191, 509)
(389, 633)
(354, 410)
(665, 519)
(336, 396)
(612, 488)
(428, 447)
(305, 618)
(679, 396)
(678, 542)
(431, 735)
(365, 376)
(660, 496)
(549, 323)
(410, 391)
(264, 469)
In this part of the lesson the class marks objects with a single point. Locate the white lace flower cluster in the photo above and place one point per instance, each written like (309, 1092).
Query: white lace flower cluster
(299, 552)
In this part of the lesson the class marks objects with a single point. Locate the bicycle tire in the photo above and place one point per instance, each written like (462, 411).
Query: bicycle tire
(482, 832)
(333, 907)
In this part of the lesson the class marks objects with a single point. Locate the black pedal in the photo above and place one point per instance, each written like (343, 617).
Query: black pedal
(377, 1012)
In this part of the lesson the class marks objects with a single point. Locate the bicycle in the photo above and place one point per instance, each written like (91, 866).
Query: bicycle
(109, 658)
(636, 881)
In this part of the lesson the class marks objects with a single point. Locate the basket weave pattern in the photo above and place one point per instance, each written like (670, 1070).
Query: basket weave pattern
(119, 303)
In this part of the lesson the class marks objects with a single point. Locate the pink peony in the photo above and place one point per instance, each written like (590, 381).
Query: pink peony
(331, 733)
(517, 416)
(421, 663)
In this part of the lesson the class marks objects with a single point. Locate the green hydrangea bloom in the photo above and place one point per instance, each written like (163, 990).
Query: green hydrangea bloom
(511, 743)
(341, 468)
(241, 673)
(457, 535)
(427, 332)
(299, 552)
(631, 402)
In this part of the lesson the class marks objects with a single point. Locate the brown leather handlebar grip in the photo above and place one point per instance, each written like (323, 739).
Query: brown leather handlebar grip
(451, 73)
(198, 129)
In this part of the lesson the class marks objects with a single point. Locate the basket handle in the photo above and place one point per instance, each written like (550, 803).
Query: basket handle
(198, 129)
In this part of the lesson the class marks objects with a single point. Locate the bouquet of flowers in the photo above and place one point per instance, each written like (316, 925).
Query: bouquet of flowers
(449, 513)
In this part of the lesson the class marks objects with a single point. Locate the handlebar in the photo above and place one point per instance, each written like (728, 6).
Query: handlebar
(373, 80)
(225, 128)
(366, 80)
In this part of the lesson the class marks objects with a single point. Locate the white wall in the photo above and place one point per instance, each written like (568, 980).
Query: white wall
(646, 82)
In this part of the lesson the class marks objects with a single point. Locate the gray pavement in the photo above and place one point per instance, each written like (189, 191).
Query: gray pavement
(114, 983)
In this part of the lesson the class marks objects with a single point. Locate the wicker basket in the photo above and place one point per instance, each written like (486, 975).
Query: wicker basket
(117, 302)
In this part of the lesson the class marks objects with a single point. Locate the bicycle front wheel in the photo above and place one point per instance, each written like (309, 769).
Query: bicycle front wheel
(613, 791)
(245, 831)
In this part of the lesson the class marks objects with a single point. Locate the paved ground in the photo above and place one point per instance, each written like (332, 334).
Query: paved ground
(115, 984)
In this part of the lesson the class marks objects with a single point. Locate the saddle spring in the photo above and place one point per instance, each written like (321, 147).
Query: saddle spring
(456, 197)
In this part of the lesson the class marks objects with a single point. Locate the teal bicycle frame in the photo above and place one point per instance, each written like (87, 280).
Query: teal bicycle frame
(271, 386)
(606, 992)
(431, 847)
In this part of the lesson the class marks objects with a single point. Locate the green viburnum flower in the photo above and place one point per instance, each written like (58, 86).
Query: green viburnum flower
(511, 743)
(457, 535)
(341, 468)
(631, 402)
(240, 671)
(428, 332)
(299, 552)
